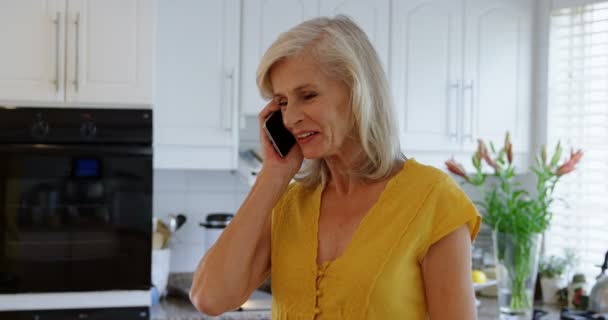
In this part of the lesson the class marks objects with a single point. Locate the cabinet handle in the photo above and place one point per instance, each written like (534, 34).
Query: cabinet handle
(469, 87)
(56, 21)
(228, 111)
(453, 111)
(77, 55)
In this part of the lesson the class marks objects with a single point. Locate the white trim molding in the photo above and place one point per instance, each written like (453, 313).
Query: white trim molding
(74, 300)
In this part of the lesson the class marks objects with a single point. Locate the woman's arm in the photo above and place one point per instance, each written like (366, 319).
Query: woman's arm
(446, 270)
(239, 261)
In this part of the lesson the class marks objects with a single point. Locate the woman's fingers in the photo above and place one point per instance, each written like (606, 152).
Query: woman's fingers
(271, 107)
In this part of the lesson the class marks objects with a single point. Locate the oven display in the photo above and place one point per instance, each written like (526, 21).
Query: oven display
(86, 168)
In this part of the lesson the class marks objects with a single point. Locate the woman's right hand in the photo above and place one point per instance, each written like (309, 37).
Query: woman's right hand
(279, 167)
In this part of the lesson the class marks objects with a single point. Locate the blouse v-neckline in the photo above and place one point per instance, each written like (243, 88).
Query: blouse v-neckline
(362, 224)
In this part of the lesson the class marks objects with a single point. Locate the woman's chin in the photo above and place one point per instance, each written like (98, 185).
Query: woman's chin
(310, 154)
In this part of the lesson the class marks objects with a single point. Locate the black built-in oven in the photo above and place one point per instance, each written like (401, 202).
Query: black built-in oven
(75, 200)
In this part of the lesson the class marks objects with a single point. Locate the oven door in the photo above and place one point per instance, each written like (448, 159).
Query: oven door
(75, 218)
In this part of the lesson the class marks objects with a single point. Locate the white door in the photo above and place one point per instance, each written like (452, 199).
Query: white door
(32, 53)
(195, 112)
(263, 21)
(110, 51)
(498, 52)
(371, 16)
(426, 69)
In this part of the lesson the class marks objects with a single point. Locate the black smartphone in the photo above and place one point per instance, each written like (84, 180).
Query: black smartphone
(279, 136)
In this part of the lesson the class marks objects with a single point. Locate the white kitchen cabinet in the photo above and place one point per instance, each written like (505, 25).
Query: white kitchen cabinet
(498, 72)
(110, 52)
(77, 52)
(195, 114)
(426, 72)
(263, 21)
(461, 72)
(371, 16)
(32, 35)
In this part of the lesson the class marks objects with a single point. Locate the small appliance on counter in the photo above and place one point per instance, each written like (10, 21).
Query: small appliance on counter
(214, 226)
(75, 213)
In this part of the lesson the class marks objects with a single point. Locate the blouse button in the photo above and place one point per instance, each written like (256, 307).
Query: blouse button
(320, 273)
(317, 310)
(318, 293)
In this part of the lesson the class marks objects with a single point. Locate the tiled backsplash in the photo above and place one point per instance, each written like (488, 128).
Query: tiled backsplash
(195, 194)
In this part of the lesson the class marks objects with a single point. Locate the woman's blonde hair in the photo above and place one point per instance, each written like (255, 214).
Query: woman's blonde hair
(344, 52)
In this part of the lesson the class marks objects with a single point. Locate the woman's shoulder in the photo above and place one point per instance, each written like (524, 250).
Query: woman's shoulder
(423, 174)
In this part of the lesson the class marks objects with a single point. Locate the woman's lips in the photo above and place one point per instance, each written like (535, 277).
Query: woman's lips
(306, 137)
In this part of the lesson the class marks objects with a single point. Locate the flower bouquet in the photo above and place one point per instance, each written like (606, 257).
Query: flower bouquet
(517, 216)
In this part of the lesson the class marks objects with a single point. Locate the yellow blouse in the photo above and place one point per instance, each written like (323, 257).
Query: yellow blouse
(379, 275)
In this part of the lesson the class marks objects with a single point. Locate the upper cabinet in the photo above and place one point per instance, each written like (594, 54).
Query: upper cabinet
(196, 114)
(371, 16)
(32, 33)
(263, 21)
(77, 52)
(110, 51)
(461, 72)
(498, 71)
(426, 77)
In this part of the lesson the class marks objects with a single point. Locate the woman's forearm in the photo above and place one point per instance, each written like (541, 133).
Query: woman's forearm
(239, 261)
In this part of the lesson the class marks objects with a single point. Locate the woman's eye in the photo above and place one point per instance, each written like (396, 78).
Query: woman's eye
(310, 96)
(282, 103)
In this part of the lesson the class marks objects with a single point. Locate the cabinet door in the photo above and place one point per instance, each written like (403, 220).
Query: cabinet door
(371, 16)
(498, 52)
(263, 21)
(110, 51)
(197, 61)
(426, 65)
(32, 54)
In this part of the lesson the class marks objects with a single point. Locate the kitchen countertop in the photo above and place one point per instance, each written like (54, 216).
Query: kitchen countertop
(488, 309)
(180, 309)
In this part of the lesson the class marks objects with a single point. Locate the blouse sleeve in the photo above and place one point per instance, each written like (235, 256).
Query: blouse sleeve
(447, 209)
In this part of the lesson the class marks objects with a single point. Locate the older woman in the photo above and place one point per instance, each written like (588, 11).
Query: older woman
(363, 233)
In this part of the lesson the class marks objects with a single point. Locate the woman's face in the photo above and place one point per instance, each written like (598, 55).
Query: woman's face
(316, 108)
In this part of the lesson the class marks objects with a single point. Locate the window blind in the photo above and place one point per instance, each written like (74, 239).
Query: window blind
(578, 116)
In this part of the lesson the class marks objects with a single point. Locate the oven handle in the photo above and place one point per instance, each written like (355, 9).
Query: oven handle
(77, 148)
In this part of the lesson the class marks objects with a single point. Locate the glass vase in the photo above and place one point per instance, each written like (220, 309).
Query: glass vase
(517, 258)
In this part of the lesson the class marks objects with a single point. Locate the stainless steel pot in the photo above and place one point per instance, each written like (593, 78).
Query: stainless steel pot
(599, 293)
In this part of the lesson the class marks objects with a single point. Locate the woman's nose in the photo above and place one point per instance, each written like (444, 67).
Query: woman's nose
(291, 116)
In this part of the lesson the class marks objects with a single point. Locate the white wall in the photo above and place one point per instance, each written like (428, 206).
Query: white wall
(195, 194)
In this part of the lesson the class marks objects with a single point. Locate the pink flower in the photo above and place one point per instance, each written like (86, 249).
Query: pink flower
(576, 156)
(569, 166)
(483, 151)
(456, 168)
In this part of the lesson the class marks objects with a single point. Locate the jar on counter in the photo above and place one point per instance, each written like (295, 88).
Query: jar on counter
(578, 297)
